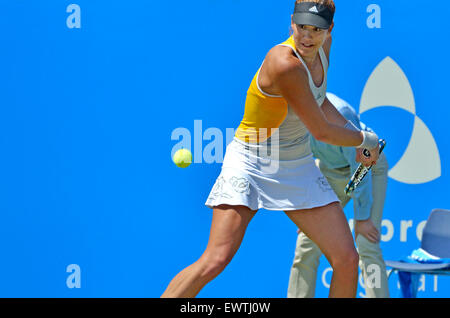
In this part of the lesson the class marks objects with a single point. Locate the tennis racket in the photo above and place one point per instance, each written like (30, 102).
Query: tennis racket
(361, 172)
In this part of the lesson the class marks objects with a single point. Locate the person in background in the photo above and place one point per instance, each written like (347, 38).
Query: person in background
(337, 164)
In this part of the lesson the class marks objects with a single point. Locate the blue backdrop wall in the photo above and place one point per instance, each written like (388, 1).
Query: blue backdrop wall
(96, 95)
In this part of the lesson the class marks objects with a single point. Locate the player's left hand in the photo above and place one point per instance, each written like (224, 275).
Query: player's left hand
(367, 161)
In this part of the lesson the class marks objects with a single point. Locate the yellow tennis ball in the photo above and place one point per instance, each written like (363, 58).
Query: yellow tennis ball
(182, 158)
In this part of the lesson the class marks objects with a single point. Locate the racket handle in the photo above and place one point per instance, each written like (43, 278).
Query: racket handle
(381, 142)
(360, 172)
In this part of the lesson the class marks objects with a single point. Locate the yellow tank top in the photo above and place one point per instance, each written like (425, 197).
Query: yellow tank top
(263, 112)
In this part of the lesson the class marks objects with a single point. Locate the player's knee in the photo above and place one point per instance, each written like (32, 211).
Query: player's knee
(346, 261)
(213, 265)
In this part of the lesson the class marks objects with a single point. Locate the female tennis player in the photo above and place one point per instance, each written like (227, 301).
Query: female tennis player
(286, 102)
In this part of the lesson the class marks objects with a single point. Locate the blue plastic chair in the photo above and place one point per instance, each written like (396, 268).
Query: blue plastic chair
(435, 241)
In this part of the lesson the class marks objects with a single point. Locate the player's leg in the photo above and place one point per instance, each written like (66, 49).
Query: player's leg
(371, 258)
(303, 277)
(328, 228)
(228, 227)
(302, 280)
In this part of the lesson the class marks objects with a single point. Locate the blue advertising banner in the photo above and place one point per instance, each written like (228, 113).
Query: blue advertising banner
(97, 96)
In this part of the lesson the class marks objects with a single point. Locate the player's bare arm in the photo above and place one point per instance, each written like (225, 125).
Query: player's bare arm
(288, 77)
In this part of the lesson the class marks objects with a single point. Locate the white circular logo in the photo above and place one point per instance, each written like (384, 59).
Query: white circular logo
(389, 86)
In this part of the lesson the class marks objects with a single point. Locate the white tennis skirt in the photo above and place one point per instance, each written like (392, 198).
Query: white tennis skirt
(261, 182)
